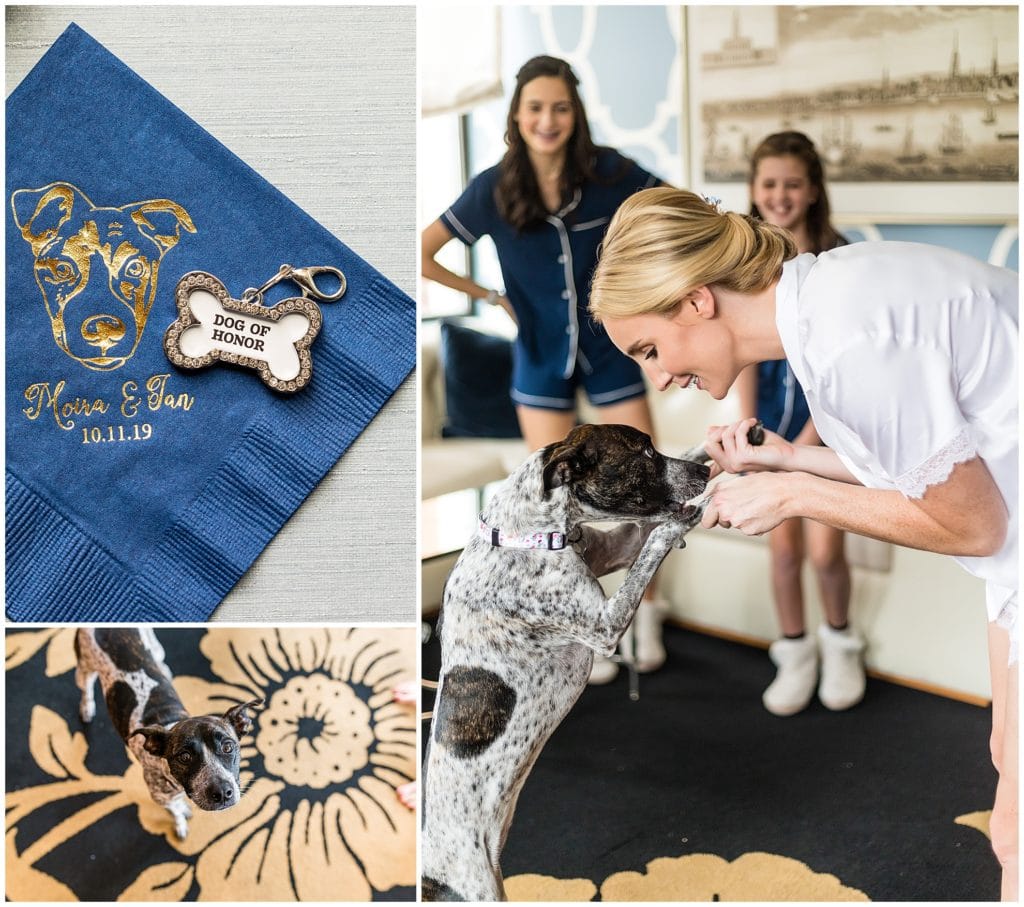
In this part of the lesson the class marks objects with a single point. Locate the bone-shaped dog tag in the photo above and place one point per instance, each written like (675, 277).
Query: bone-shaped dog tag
(212, 327)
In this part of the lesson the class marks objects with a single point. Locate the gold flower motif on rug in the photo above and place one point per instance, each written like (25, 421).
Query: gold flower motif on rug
(696, 877)
(319, 818)
(705, 877)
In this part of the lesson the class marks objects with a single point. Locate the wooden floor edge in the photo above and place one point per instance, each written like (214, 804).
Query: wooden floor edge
(757, 643)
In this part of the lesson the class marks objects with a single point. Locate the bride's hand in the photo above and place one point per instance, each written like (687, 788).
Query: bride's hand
(730, 449)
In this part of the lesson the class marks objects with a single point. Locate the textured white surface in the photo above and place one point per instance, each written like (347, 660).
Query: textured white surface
(321, 101)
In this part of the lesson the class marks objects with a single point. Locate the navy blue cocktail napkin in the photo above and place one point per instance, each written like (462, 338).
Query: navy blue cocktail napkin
(136, 491)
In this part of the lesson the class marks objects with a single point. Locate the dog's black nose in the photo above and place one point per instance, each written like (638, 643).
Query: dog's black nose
(703, 472)
(221, 794)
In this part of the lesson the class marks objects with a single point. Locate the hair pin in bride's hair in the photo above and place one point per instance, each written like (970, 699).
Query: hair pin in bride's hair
(714, 201)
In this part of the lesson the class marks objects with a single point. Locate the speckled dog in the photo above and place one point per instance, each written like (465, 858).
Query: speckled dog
(521, 621)
(181, 756)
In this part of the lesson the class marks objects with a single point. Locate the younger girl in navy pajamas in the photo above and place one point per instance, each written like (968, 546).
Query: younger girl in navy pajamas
(787, 189)
(546, 206)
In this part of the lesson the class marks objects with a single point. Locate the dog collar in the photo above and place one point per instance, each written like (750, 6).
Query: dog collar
(545, 541)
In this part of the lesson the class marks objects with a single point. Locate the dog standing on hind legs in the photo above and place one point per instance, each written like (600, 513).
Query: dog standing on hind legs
(523, 615)
(183, 758)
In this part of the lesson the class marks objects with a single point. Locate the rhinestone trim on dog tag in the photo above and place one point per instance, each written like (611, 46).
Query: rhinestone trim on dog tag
(273, 340)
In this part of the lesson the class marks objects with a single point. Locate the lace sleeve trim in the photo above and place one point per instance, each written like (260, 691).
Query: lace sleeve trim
(938, 466)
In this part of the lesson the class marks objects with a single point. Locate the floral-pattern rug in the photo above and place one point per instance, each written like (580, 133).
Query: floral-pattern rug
(319, 818)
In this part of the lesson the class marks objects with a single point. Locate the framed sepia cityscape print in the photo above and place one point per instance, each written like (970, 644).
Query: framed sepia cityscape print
(914, 109)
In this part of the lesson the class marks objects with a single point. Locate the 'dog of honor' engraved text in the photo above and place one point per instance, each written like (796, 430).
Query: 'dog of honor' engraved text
(67, 410)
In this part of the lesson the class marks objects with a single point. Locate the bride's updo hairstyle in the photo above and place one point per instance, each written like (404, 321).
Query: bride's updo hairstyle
(662, 243)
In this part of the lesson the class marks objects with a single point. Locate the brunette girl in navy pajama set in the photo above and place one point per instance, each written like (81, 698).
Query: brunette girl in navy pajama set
(547, 271)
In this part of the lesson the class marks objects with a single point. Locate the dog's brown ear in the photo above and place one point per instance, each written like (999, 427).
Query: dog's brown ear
(162, 221)
(40, 213)
(238, 718)
(562, 466)
(156, 739)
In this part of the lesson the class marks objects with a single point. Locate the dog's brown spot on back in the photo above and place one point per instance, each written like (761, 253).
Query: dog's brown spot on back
(475, 708)
(121, 701)
(126, 650)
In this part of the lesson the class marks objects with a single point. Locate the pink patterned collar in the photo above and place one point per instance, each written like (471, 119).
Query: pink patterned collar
(544, 541)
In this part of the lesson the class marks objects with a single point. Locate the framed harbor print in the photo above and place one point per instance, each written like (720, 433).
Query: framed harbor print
(914, 109)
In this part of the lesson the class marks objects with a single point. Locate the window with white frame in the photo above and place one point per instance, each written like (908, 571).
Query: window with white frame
(459, 68)
(441, 180)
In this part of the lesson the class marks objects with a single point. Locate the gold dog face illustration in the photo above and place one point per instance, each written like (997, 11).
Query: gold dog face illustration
(97, 267)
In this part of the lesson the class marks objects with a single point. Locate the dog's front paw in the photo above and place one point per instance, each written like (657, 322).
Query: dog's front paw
(687, 519)
(181, 812)
(674, 531)
(88, 711)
